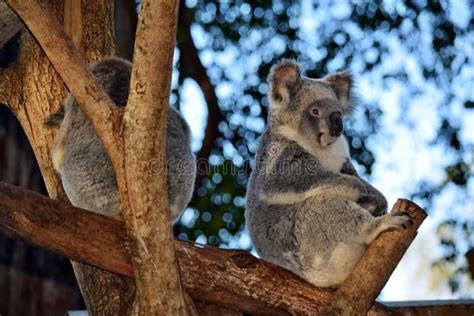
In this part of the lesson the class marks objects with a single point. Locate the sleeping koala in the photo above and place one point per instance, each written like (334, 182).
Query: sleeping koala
(86, 170)
(307, 208)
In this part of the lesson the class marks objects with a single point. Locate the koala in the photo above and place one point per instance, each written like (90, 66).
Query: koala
(307, 208)
(86, 170)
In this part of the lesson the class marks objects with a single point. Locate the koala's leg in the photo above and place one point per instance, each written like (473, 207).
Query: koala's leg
(379, 224)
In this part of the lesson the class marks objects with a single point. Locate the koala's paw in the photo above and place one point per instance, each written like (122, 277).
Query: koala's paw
(398, 220)
(395, 220)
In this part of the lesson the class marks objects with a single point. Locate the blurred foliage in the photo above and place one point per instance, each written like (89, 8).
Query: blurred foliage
(239, 41)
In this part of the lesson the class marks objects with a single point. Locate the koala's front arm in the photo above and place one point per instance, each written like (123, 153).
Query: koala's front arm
(293, 175)
(374, 201)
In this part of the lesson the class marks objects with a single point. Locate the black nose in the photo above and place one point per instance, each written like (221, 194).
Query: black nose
(335, 124)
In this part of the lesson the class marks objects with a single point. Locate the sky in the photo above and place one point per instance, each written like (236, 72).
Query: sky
(403, 151)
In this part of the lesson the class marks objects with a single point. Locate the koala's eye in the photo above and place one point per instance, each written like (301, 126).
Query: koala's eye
(314, 111)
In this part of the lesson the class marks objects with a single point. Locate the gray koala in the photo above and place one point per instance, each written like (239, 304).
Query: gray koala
(307, 208)
(86, 170)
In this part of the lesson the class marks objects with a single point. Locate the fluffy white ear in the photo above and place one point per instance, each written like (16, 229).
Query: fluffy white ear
(283, 78)
(342, 84)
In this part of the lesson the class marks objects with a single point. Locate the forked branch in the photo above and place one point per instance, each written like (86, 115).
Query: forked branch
(68, 62)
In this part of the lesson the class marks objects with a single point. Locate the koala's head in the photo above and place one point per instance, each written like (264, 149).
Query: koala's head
(307, 108)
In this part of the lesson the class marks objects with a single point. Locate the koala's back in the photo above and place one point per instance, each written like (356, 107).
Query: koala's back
(271, 226)
(86, 171)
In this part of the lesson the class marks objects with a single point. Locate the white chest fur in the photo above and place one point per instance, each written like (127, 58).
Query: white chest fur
(331, 157)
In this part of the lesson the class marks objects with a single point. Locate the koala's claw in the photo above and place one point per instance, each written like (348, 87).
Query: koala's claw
(399, 220)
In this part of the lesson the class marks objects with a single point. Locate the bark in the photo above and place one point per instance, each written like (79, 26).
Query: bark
(33, 281)
(68, 62)
(205, 308)
(73, 22)
(32, 89)
(145, 119)
(356, 295)
(143, 190)
(231, 278)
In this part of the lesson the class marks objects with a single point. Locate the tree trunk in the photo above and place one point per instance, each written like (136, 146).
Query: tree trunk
(33, 90)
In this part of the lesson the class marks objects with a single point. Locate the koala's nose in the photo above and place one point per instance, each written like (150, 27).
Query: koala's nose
(335, 124)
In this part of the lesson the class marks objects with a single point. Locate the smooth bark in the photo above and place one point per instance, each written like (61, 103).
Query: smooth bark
(143, 189)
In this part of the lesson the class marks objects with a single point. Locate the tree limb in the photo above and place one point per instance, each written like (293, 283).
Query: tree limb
(68, 62)
(143, 189)
(145, 119)
(231, 278)
(73, 22)
(357, 293)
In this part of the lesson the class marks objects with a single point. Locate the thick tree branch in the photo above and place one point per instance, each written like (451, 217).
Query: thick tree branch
(231, 278)
(67, 61)
(143, 190)
(367, 279)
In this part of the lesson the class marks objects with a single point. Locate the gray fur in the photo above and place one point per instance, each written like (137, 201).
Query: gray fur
(307, 208)
(86, 171)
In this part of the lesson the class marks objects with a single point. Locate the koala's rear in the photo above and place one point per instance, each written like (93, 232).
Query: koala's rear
(307, 208)
(86, 170)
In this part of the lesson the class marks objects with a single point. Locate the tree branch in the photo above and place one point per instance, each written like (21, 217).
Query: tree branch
(73, 22)
(145, 119)
(68, 62)
(231, 278)
(143, 190)
(357, 293)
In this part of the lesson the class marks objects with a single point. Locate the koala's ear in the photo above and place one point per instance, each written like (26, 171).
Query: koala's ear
(342, 83)
(284, 76)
